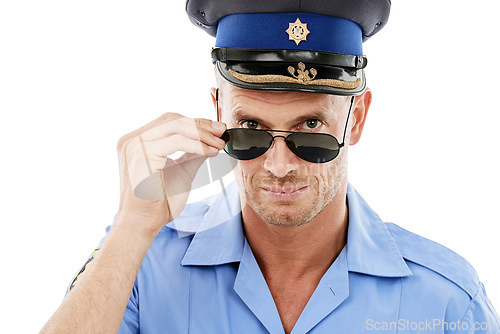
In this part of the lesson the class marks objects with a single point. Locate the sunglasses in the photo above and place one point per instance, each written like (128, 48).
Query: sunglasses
(247, 144)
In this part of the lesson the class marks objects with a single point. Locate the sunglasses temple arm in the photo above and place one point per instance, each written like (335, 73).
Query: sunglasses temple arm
(217, 103)
(347, 122)
(220, 180)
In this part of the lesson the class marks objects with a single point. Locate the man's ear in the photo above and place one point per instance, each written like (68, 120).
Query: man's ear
(361, 105)
(214, 92)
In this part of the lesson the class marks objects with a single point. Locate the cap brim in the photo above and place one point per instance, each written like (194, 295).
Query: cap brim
(300, 77)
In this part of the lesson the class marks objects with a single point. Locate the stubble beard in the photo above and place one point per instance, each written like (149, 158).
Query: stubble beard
(301, 212)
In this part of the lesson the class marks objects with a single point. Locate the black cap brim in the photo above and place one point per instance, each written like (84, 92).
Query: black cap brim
(279, 70)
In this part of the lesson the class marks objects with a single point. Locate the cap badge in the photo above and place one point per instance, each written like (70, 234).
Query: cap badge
(297, 31)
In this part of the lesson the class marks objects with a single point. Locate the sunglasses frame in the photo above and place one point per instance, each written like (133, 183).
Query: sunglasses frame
(287, 141)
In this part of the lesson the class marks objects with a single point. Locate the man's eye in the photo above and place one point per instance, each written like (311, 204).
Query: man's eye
(251, 124)
(311, 124)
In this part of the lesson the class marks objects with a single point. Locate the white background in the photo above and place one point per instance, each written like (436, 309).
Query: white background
(77, 75)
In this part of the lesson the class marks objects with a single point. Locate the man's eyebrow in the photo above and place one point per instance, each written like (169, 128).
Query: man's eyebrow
(242, 115)
(322, 115)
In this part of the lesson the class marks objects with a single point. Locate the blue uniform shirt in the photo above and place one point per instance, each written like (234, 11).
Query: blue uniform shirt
(200, 276)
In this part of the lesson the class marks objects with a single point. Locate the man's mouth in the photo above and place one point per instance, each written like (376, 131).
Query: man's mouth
(284, 193)
(283, 190)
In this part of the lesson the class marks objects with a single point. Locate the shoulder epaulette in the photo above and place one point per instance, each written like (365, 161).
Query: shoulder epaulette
(436, 257)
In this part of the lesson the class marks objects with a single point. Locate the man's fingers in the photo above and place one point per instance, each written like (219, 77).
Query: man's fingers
(145, 151)
(161, 148)
(198, 128)
(177, 142)
(146, 159)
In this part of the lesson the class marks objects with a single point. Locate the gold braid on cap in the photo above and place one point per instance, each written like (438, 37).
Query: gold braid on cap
(299, 76)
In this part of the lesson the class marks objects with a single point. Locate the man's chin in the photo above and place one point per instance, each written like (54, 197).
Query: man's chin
(282, 214)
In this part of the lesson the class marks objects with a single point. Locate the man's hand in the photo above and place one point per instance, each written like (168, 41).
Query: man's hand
(154, 187)
(97, 302)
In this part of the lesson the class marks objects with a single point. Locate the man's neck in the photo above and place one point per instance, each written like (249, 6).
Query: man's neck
(298, 252)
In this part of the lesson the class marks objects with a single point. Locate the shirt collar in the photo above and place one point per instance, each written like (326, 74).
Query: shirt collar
(219, 237)
(370, 247)
(216, 225)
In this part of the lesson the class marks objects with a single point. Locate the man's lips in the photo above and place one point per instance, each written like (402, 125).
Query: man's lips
(283, 190)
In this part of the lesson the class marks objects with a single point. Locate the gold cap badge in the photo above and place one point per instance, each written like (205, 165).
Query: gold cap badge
(297, 31)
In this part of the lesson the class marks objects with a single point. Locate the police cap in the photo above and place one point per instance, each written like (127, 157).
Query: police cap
(295, 45)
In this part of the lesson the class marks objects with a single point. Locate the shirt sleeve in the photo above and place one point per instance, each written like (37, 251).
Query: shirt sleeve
(481, 316)
(130, 322)
(90, 259)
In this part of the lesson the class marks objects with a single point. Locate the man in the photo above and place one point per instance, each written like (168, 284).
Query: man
(291, 247)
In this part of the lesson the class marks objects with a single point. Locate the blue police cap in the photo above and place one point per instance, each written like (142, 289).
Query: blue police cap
(295, 45)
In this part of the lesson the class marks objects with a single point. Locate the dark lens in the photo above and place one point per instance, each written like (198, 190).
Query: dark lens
(246, 144)
(314, 147)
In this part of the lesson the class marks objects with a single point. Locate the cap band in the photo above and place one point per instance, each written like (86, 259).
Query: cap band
(269, 31)
(290, 56)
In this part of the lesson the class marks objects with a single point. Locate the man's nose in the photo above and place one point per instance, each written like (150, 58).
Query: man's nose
(279, 160)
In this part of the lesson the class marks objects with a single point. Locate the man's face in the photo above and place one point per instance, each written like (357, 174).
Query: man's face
(278, 186)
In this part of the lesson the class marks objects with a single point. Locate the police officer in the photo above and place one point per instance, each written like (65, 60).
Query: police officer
(291, 247)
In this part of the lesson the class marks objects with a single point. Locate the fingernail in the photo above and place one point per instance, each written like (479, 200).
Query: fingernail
(218, 125)
(213, 149)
